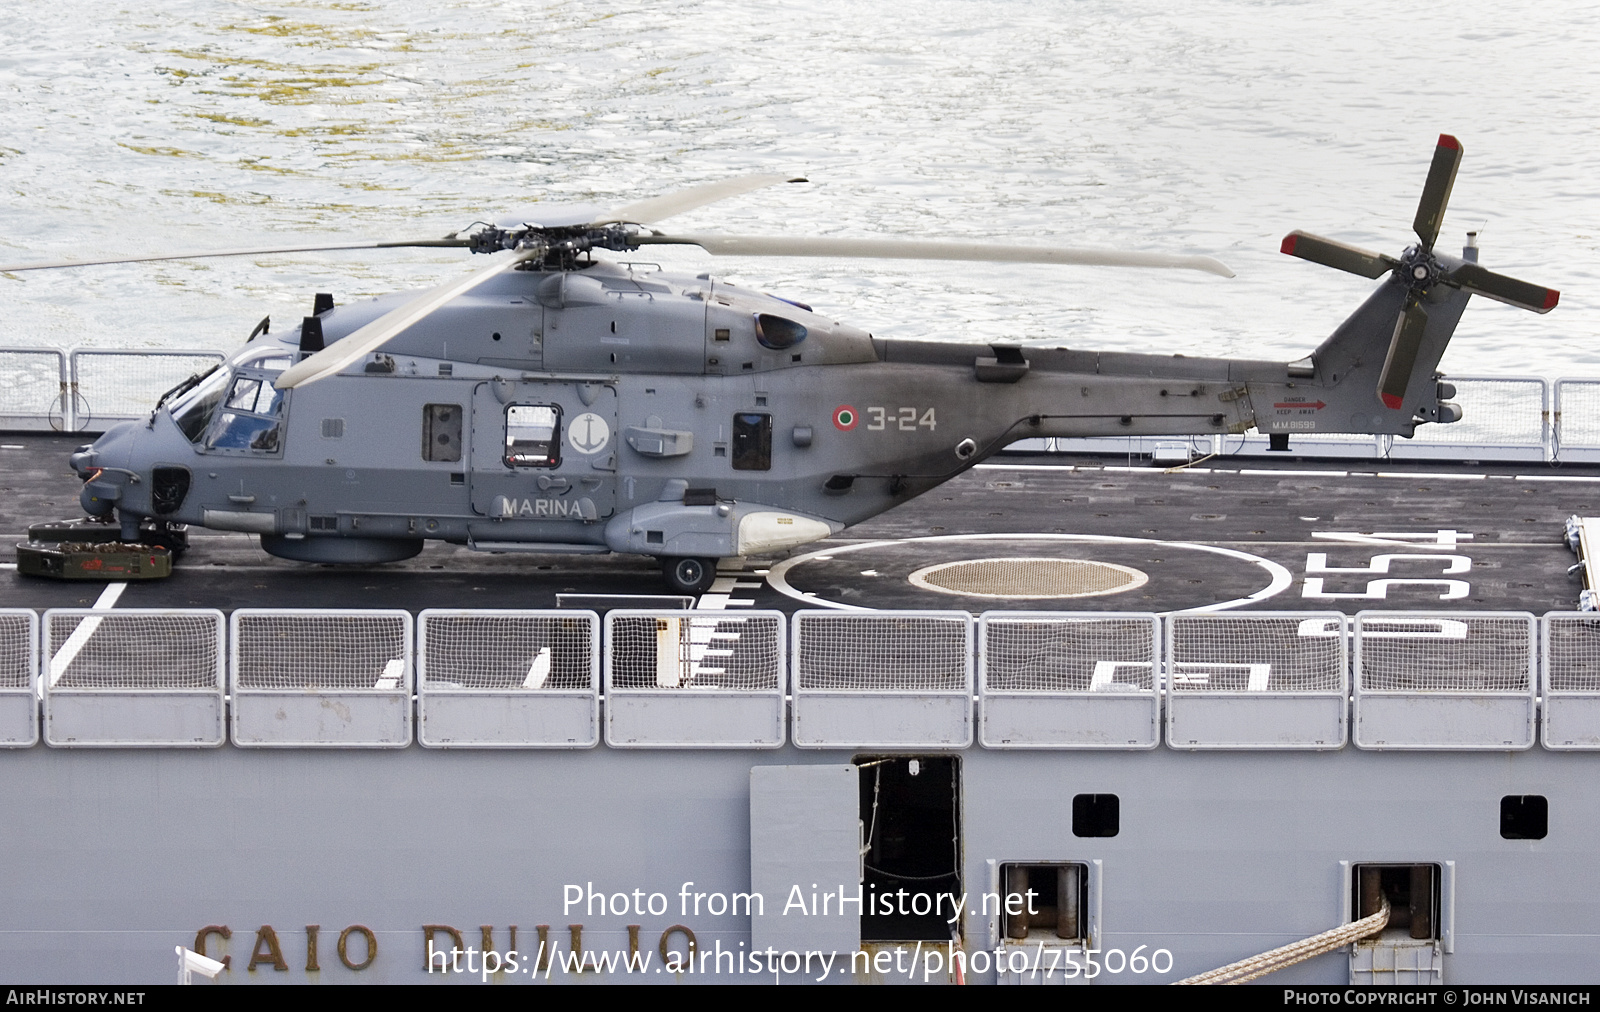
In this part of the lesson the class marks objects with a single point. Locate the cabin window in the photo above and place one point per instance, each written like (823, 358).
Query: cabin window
(752, 441)
(533, 435)
(441, 432)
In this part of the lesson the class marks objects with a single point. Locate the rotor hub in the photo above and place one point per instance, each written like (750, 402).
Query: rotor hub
(1418, 269)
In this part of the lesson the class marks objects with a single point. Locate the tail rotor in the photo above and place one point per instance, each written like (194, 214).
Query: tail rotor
(1420, 270)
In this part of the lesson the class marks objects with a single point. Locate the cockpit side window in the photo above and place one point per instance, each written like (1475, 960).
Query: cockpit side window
(249, 419)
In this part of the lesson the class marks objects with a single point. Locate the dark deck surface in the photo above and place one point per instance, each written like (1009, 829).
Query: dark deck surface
(1168, 524)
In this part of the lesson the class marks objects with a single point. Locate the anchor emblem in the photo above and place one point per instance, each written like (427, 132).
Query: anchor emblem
(588, 433)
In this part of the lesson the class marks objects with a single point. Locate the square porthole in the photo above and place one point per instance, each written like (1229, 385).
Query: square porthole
(1044, 902)
(1524, 817)
(1096, 815)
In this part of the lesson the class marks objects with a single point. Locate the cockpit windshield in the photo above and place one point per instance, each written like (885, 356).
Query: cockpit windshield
(193, 408)
(235, 407)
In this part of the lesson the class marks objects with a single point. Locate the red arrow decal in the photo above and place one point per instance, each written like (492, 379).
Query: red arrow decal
(1301, 404)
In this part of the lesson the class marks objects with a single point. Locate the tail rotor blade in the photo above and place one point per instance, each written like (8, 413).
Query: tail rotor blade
(1436, 191)
(1402, 358)
(1339, 255)
(1484, 282)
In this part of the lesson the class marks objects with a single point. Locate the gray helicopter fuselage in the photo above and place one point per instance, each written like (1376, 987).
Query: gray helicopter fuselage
(612, 409)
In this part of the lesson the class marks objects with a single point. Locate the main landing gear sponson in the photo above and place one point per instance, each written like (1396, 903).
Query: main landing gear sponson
(689, 574)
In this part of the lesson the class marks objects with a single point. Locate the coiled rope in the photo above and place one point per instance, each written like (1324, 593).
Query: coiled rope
(1294, 952)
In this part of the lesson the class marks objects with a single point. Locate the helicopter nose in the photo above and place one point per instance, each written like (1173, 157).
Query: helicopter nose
(82, 460)
(98, 499)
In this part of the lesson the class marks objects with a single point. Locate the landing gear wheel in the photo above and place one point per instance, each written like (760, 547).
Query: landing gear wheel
(689, 575)
(173, 537)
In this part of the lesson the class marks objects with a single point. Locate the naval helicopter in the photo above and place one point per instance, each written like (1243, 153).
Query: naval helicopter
(555, 401)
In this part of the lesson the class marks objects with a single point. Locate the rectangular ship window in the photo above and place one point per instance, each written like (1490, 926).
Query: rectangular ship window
(1044, 902)
(441, 432)
(752, 441)
(533, 435)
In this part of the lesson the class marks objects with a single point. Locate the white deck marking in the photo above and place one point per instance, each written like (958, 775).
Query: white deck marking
(719, 596)
(1280, 578)
(1256, 675)
(392, 672)
(1378, 590)
(539, 670)
(80, 636)
(1416, 628)
(1317, 564)
(1105, 674)
(1406, 539)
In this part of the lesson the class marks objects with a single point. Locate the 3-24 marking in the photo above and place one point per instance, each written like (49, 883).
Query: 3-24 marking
(904, 419)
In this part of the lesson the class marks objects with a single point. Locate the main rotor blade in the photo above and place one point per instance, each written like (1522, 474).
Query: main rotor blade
(1484, 282)
(1436, 191)
(1402, 359)
(1332, 253)
(645, 212)
(910, 249)
(264, 251)
(371, 337)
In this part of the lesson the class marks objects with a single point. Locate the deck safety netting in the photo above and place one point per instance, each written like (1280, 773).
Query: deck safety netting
(1572, 657)
(1063, 653)
(338, 650)
(16, 651)
(134, 650)
(703, 650)
(122, 383)
(30, 383)
(508, 652)
(1257, 653)
(1578, 404)
(1493, 412)
(866, 652)
(1448, 654)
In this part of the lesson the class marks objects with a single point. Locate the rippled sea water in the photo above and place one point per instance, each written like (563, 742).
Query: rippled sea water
(1214, 127)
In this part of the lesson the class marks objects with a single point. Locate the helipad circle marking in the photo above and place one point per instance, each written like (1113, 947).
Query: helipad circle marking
(1280, 581)
(1015, 579)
